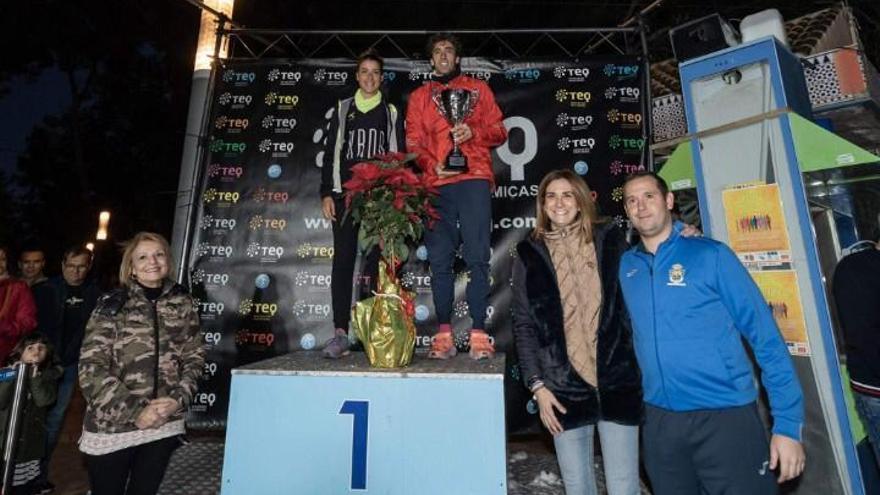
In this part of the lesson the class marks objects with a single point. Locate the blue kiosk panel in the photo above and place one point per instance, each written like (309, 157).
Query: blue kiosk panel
(738, 101)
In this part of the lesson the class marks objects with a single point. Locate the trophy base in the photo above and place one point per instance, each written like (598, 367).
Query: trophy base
(456, 163)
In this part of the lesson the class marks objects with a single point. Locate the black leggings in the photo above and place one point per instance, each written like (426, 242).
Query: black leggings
(141, 467)
(345, 249)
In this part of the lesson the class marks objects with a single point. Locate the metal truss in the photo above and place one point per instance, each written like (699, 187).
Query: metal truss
(257, 44)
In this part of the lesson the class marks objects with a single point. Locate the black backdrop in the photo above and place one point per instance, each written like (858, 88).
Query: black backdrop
(261, 253)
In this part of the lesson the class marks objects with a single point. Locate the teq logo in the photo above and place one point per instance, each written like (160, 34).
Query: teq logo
(574, 98)
(284, 102)
(574, 122)
(629, 94)
(332, 78)
(200, 276)
(209, 222)
(264, 252)
(227, 147)
(626, 144)
(303, 279)
(279, 125)
(420, 283)
(204, 400)
(257, 222)
(284, 78)
(258, 310)
(213, 338)
(210, 310)
(578, 145)
(618, 167)
(210, 369)
(308, 250)
(214, 251)
(257, 338)
(310, 311)
(222, 197)
(225, 171)
(238, 78)
(626, 119)
(621, 71)
(231, 125)
(237, 101)
(481, 74)
(263, 194)
(573, 74)
(276, 147)
(522, 75)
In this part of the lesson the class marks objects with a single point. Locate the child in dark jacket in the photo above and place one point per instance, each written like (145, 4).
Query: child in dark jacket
(41, 388)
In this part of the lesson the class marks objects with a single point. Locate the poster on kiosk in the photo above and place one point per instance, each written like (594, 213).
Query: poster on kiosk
(739, 105)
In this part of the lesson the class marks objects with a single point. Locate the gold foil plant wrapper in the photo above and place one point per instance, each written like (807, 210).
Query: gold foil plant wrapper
(384, 323)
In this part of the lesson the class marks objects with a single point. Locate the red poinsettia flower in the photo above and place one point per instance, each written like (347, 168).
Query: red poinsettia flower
(378, 192)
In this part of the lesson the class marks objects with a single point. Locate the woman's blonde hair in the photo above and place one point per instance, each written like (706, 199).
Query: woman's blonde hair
(128, 247)
(587, 212)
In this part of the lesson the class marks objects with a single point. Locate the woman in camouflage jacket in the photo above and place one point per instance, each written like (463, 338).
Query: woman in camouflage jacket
(139, 365)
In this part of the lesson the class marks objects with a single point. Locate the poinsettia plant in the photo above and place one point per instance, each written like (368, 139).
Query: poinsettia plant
(391, 203)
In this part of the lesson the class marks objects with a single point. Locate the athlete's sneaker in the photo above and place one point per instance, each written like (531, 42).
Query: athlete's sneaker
(338, 346)
(442, 346)
(481, 346)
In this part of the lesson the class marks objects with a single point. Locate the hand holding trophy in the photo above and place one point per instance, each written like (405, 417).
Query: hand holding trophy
(455, 105)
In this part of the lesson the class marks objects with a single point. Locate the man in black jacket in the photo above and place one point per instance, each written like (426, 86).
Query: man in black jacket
(64, 305)
(857, 291)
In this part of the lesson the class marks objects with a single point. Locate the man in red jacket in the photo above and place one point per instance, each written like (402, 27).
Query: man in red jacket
(464, 201)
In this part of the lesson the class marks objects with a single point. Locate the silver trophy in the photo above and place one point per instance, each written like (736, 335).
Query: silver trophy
(455, 105)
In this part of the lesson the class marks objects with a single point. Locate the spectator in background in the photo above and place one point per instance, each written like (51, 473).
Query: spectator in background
(18, 314)
(41, 386)
(141, 360)
(31, 263)
(64, 305)
(857, 294)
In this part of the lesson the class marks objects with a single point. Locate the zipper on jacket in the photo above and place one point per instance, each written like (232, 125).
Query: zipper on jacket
(653, 259)
(156, 352)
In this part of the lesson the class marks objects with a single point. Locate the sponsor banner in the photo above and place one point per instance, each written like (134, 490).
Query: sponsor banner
(262, 251)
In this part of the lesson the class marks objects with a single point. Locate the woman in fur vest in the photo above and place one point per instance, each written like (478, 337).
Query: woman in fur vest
(574, 338)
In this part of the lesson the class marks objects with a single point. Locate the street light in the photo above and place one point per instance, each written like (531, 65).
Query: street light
(103, 223)
(193, 135)
(208, 34)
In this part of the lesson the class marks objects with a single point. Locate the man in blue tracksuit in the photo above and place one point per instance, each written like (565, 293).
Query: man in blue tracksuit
(692, 302)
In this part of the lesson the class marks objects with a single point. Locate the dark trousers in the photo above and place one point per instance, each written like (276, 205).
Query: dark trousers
(345, 250)
(718, 451)
(465, 210)
(140, 467)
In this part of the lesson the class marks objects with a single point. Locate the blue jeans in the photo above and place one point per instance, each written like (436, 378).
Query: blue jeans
(869, 410)
(465, 210)
(620, 456)
(55, 416)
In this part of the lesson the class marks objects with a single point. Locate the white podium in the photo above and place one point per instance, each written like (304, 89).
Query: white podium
(302, 424)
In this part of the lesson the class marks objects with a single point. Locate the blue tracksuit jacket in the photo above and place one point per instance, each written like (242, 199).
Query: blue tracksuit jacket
(690, 304)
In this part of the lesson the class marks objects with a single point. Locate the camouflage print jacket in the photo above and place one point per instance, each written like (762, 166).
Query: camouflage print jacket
(123, 366)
